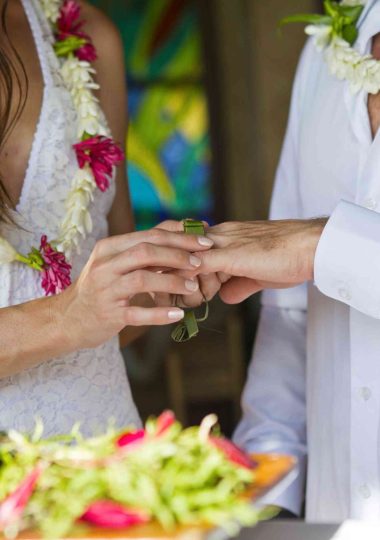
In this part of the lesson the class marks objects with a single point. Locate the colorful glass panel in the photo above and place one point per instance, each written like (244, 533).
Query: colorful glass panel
(168, 144)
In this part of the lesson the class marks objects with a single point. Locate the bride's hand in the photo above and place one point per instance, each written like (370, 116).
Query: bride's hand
(209, 283)
(97, 306)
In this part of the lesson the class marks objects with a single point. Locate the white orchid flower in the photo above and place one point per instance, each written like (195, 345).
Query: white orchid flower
(7, 253)
(320, 33)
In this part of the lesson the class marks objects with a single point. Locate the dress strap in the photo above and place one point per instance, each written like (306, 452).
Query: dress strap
(43, 39)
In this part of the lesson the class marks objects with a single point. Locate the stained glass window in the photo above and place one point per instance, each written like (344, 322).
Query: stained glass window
(168, 145)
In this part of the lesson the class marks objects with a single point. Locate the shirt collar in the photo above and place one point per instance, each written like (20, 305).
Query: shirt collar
(368, 26)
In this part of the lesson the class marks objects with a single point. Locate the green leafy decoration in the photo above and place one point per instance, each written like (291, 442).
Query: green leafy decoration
(69, 45)
(176, 478)
(306, 18)
(33, 259)
(341, 19)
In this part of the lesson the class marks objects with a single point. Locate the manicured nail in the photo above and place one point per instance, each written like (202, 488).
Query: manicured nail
(191, 285)
(195, 261)
(204, 241)
(176, 314)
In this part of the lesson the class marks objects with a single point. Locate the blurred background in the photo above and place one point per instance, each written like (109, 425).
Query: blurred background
(209, 84)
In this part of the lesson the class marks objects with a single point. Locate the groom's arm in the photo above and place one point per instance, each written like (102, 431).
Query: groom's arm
(341, 254)
(258, 255)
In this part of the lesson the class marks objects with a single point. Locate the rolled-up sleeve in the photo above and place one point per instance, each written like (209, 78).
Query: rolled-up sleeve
(347, 261)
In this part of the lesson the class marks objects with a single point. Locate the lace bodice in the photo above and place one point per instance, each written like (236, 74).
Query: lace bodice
(89, 386)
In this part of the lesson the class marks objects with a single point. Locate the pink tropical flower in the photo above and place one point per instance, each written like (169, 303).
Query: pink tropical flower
(55, 271)
(70, 25)
(233, 452)
(68, 22)
(101, 154)
(164, 422)
(131, 437)
(112, 515)
(12, 507)
(87, 52)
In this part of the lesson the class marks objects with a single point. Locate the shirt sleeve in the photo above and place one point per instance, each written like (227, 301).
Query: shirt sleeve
(347, 260)
(273, 400)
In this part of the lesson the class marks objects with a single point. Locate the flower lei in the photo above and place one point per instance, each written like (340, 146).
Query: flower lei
(335, 33)
(97, 154)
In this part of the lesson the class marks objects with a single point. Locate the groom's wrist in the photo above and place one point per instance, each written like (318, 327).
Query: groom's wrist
(315, 228)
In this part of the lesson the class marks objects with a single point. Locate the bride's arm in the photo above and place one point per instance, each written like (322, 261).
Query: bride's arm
(97, 306)
(29, 334)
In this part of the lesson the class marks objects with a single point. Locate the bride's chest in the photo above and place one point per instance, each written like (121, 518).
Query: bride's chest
(22, 102)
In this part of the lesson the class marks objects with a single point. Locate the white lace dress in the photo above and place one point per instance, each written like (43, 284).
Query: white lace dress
(89, 386)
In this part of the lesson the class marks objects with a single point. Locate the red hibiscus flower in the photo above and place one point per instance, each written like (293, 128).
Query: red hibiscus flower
(101, 154)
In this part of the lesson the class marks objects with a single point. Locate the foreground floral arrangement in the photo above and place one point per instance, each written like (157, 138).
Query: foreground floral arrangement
(162, 473)
(97, 154)
(335, 33)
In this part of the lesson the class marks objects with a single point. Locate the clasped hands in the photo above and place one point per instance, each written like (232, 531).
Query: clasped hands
(179, 270)
(247, 257)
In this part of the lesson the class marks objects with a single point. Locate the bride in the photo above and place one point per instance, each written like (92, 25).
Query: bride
(65, 217)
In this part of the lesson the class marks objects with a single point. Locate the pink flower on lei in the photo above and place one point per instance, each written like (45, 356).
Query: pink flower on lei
(69, 26)
(87, 52)
(55, 271)
(68, 21)
(101, 154)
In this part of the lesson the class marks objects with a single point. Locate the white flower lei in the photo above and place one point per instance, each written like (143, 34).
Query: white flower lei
(343, 60)
(78, 75)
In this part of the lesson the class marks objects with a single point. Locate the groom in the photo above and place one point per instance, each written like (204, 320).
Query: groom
(313, 389)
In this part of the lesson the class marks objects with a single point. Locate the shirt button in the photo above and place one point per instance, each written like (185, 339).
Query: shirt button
(370, 203)
(344, 293)
(365, 393)
(364, 491)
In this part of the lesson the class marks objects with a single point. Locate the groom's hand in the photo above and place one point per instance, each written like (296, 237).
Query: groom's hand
(251, 256)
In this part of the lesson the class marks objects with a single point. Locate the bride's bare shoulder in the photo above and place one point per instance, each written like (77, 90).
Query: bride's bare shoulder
(110, 68)
(101, 29)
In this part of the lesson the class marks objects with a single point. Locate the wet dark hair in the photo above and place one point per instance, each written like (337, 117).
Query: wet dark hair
(13, 80)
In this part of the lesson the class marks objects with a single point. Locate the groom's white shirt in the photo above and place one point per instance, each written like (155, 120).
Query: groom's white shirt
(313, 388)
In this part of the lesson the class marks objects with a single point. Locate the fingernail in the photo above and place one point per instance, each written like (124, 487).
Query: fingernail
(176, 314)
(191, 285)
(195, 261)
(204, 241)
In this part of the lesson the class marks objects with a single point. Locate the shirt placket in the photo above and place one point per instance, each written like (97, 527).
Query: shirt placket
(365, 400)
(364, 330)
(365, 354)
